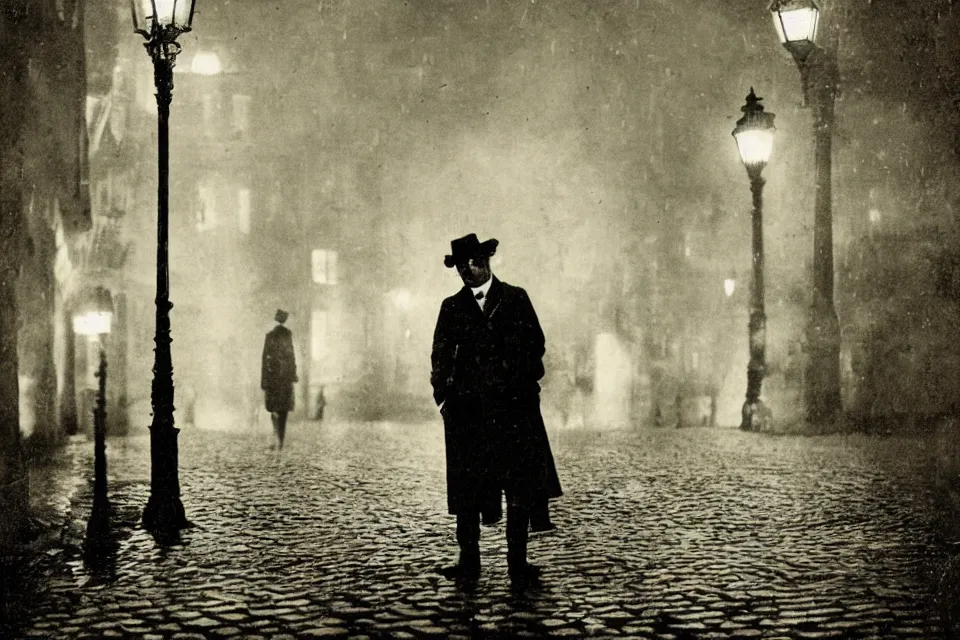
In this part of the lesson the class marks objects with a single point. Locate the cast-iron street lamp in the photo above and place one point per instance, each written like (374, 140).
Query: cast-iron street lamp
(797, 23)
(754, 136)
(93, 319)
(160, 22)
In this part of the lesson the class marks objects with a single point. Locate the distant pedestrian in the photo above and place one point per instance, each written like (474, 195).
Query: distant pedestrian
(487, 360)
(321, 404)
(188, 401)
(278, 372)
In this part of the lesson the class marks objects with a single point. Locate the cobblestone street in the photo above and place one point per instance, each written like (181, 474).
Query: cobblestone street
(665, 533)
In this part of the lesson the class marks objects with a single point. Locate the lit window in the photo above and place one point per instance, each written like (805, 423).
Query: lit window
(206, 63)
(206, 216)
(324, 266)
(127, 195)
(117, 191)
(318, 334)
(241, 115)
(275, 201)
(103, 196)
(243, 210)
(210, 105)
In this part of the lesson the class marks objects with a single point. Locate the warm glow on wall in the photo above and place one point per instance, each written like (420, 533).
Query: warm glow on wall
(206, 63)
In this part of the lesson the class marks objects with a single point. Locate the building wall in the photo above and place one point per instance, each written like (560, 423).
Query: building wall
(41, 186)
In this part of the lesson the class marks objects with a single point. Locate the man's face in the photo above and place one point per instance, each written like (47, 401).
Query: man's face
(475, 271)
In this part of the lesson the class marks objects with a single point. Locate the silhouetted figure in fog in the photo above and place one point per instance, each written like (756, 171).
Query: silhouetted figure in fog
(321, 405)
(487, 359)
(714, 392)
(189, 404)
(278, 372)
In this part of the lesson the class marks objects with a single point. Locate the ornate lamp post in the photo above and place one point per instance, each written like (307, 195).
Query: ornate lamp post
(161, 22)
(94, 319)
(754, 136)
(797, 23)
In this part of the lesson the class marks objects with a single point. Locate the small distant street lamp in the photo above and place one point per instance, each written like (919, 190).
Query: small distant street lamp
(729, 286)
(161, 22)
(754, 136)
(93, 319)
(797, 23)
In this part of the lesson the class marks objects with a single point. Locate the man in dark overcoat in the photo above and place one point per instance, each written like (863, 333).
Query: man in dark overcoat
(278, 372)
(487, 359)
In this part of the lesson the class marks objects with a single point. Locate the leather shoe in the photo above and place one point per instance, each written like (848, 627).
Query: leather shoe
(524, 575)
(461, 572)
(541, 526)
(491, 519)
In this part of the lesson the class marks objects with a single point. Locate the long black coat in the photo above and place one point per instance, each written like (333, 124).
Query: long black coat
(486, 365)
(278, 369)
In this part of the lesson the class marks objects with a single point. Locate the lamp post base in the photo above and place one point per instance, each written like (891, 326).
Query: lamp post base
(164, 514)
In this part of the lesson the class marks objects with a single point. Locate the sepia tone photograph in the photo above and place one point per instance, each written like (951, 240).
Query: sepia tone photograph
(480, 319)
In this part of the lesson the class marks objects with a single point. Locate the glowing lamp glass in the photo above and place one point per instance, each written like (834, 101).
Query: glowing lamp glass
(729, 286)
(148, 14)
(797, 25)
(93, 323)
(755, 146)
(754, 133)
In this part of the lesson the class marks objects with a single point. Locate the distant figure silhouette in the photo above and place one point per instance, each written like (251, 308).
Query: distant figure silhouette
(189, 404)
(278, 372)
(321, 404)
(487, 360)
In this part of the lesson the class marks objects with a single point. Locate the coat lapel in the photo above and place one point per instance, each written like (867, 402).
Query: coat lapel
(494, 296)
(467, 302)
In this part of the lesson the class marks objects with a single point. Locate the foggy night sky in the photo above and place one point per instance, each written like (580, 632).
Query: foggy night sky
(586, 136)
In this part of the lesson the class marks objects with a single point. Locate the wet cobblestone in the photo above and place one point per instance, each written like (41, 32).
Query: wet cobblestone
(662, 534)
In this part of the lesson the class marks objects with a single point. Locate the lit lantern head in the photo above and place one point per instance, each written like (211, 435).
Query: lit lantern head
(150, 16)
(754, 134)
(94, 315)
(796, 22)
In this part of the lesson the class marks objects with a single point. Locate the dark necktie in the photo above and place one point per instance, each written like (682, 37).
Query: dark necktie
(479, 295)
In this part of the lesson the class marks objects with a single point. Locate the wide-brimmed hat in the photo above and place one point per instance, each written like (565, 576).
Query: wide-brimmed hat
(280, 316)
(469, 246)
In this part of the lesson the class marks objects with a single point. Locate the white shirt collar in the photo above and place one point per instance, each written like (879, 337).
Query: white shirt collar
(485, 287)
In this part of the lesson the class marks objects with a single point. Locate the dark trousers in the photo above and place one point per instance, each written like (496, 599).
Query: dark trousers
(518, 525)
(279, 419)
